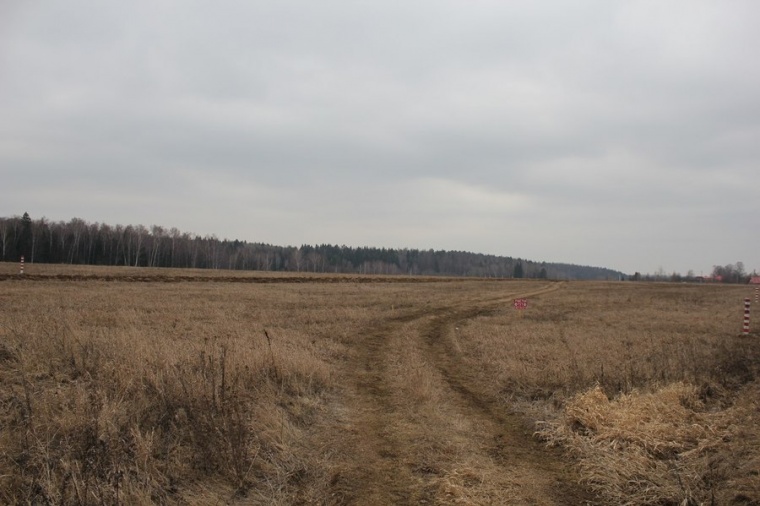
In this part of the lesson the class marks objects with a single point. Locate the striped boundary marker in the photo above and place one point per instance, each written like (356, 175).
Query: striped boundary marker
(745, 329)
(22, 265)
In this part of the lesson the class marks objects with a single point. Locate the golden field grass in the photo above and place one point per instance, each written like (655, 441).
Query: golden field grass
(649, 386)
(63, 272)
(236, 393)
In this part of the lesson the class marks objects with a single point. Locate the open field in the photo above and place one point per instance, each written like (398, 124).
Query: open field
(120, 388)
(50, 272)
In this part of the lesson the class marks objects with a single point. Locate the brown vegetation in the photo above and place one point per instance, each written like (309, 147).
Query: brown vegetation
(353, 393)
(649, 386)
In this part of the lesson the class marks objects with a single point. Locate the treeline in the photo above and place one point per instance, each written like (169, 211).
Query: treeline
(729, 273)
(79, 242)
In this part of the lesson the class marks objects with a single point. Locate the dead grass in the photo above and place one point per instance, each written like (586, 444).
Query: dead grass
(129, 394)
(649, 386)
(663, 447)
(65, 272)
(620, 336)
(145, 393)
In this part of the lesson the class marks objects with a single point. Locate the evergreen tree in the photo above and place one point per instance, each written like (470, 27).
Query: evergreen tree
(24, 246)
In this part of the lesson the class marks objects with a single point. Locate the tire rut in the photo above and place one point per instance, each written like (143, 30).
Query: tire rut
(512, 443)
(373, 475)
(385, 463)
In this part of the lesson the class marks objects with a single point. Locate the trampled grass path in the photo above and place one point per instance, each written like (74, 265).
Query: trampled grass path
(455, 445)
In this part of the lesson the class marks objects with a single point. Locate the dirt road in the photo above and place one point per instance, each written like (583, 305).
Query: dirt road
(417, 427)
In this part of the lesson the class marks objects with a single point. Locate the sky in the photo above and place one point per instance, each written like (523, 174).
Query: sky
(608, 133)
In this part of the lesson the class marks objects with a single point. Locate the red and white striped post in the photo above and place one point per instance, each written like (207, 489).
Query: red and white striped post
(757, 294)
(745, 329)
(22, 265)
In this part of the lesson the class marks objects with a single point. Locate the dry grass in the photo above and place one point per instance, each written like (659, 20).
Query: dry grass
(650, 386)
(145, 393)
(620, 336)
(664, 447)
(10, 270)
(135, 393)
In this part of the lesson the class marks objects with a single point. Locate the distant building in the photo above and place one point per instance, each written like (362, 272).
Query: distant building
(754, 280)
(709, 279)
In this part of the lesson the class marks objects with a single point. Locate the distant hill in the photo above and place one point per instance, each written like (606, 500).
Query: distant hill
(80, 242)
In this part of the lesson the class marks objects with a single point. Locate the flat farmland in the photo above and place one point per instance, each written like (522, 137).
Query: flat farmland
(153, 386)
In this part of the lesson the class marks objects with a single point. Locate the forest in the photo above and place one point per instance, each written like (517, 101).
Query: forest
(79, 242)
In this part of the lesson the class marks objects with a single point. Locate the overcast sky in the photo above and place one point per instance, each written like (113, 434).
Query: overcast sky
(607, 133)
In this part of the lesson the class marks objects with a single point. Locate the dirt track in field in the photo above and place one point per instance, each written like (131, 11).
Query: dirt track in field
(467, 449)
(464, 447)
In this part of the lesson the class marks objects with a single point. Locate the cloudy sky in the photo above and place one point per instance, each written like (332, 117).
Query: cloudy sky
(607, 133)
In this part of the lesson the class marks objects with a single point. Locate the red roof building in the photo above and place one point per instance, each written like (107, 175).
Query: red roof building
(754, 280)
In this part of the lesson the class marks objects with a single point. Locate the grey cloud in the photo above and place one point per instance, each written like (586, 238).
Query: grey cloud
(610, 124)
